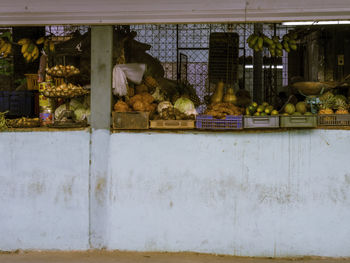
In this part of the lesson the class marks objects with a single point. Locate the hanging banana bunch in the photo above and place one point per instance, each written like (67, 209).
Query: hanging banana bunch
(5, 47)
(258, 41)
(29, 50)
(290, 41)
(48, 44)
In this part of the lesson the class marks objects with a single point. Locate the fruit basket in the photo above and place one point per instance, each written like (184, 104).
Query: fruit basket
(61, 71)
(302, 121)
(257, 122)
(231, 122)
(65, 91)
(333, 120)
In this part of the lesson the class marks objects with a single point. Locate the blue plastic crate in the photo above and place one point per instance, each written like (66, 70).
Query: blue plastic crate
(231, 122)
(18, 103)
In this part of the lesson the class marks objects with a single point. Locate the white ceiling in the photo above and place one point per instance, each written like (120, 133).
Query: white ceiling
(48, 12)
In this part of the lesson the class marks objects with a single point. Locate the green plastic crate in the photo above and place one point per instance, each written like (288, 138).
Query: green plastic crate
(302, 121)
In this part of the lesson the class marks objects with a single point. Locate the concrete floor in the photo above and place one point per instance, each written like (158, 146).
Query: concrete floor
(128, 257)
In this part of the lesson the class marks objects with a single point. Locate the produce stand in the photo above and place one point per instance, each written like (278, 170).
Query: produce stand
(65, 91)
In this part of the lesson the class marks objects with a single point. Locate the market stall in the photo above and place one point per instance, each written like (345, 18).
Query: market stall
(240, 152)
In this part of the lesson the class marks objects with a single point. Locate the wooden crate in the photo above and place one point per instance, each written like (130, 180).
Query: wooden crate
(130, 120)
(172, 124)
(32, 81)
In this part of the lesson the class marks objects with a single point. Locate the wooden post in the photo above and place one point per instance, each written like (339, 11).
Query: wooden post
(257, 70)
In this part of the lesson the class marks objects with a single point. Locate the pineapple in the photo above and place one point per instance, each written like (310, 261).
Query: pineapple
(340, 104)
(326, 107)
(326, 96)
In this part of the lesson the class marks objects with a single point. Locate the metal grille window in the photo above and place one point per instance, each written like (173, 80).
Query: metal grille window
(172, 44)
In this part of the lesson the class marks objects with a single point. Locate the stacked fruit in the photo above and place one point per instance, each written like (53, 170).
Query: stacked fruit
(62, 71)
(65, 91)
(298, 109)
(29, 50)
(260, 110)
(5, 47)
(330, 104)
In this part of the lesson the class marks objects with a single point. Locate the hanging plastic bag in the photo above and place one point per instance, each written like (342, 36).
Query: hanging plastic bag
(134, 72)
(119, 82)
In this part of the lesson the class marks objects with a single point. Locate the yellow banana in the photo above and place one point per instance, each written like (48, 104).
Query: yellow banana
(25, 48)
(52, 46)
(3, 48)
(23, 41)
(8, 49)
(35, 56)
(28, 57)
(40, 40)
(2, 42)
(35, 51)
(26, 54)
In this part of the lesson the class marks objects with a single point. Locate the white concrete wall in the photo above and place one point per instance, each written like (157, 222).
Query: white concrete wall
(39, 12)
(44, 186)
(253, 194)
(249, 194)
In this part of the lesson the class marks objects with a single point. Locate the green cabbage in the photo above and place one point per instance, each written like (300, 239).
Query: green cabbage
(184, 105)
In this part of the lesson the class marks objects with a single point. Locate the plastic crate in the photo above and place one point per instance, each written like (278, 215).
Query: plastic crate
(32, 81)
(303, 121)
(257, 122)
(207, 122)
(18, 103)
(130, 120)
(172, 124)
(333, 120)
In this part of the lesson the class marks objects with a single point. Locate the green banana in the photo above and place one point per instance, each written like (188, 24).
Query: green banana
(268, 40)
(30, 48)
(254, 40)
(260, 42)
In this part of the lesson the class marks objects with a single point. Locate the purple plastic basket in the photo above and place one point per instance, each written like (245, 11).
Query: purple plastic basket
(231, 122)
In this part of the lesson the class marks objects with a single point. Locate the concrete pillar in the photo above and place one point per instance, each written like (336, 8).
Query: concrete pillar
(101, 93)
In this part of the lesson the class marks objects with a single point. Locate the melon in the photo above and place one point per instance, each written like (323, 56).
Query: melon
(301, 107)
(289, 108)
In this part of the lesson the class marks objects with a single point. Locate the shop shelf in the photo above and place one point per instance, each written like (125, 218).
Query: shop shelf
(130, 120)
(172, 124)
(333, 120)
(303, 121)
(207, 122)
(257, 122)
